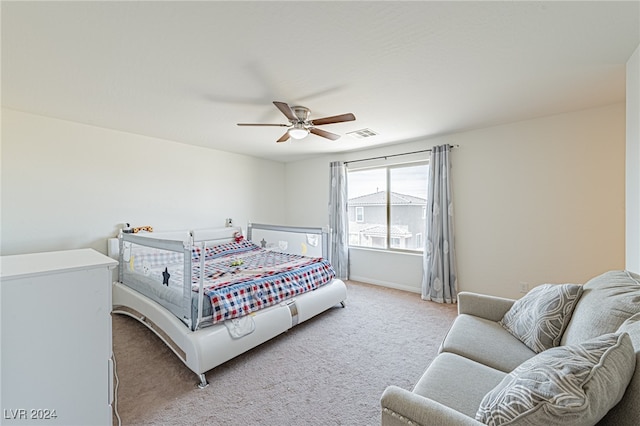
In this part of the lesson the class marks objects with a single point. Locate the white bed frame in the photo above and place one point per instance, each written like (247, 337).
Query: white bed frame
(205, 348)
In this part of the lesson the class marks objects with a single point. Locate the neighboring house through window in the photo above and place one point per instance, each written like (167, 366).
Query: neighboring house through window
(386, 206)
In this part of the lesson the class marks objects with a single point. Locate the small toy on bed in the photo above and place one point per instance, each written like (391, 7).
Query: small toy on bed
(142, 228)
(238, 236)
(128, 230)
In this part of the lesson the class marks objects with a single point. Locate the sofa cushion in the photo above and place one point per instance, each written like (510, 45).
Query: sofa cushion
(632, 327)
(575, 384)
(607, 301)
(486, 342)
(457, 382)
(627, 412)
(540, 317)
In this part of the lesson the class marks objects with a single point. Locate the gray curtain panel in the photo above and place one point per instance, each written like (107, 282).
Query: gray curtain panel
(439, 277)
(339, 220)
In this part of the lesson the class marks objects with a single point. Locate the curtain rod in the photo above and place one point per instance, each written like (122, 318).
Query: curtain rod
(394, 155)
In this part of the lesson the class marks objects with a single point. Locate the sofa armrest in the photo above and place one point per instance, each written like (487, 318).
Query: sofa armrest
(401, 407)
(484, 306)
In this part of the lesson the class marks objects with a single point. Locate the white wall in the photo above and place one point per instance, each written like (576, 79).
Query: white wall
(540, 201)
(307, 192)
(633, 163)
(67, 185)
(536, 201)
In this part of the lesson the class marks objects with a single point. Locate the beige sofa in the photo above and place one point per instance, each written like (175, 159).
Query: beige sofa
(478, 354)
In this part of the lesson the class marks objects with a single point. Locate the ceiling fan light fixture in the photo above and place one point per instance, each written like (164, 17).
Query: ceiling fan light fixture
(298, 131)
(299, 124)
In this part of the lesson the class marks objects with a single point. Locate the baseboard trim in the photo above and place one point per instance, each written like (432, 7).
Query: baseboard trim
(393, 285)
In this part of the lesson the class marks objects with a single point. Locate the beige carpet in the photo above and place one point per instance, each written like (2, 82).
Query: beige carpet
(330, 370)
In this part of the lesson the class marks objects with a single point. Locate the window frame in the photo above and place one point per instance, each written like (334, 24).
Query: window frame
(388, 168)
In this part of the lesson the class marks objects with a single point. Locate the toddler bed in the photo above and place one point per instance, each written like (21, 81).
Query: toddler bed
(211, 295)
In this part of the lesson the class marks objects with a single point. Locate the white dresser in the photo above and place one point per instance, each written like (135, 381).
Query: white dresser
(55, 351)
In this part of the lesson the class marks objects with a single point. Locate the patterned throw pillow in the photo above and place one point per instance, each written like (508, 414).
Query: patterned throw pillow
(540, 317)
(566, 385)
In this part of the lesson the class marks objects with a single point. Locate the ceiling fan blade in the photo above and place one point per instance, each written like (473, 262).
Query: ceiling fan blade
(324, 133)
(284, 137)
(334, 119)
(286, 110)
(260, 124)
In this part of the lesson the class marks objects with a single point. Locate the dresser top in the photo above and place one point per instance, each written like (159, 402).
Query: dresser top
(24, 265)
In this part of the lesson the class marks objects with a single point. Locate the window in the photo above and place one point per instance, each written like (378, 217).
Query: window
(387, 206)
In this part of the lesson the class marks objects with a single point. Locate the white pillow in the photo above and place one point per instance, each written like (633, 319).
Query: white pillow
(540, 317)
(566, 385)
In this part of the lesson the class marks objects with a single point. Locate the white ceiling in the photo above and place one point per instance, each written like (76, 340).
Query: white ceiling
(189, 71)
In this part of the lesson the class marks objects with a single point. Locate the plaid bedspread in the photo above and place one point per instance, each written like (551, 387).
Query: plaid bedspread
(241, 278)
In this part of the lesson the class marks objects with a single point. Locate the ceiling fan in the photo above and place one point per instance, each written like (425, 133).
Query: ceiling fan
(300, 125)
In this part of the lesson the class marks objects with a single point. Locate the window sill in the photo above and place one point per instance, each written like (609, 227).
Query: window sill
(390, 251)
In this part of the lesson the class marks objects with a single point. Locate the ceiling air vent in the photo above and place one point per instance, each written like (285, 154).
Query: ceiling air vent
(362, 133)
